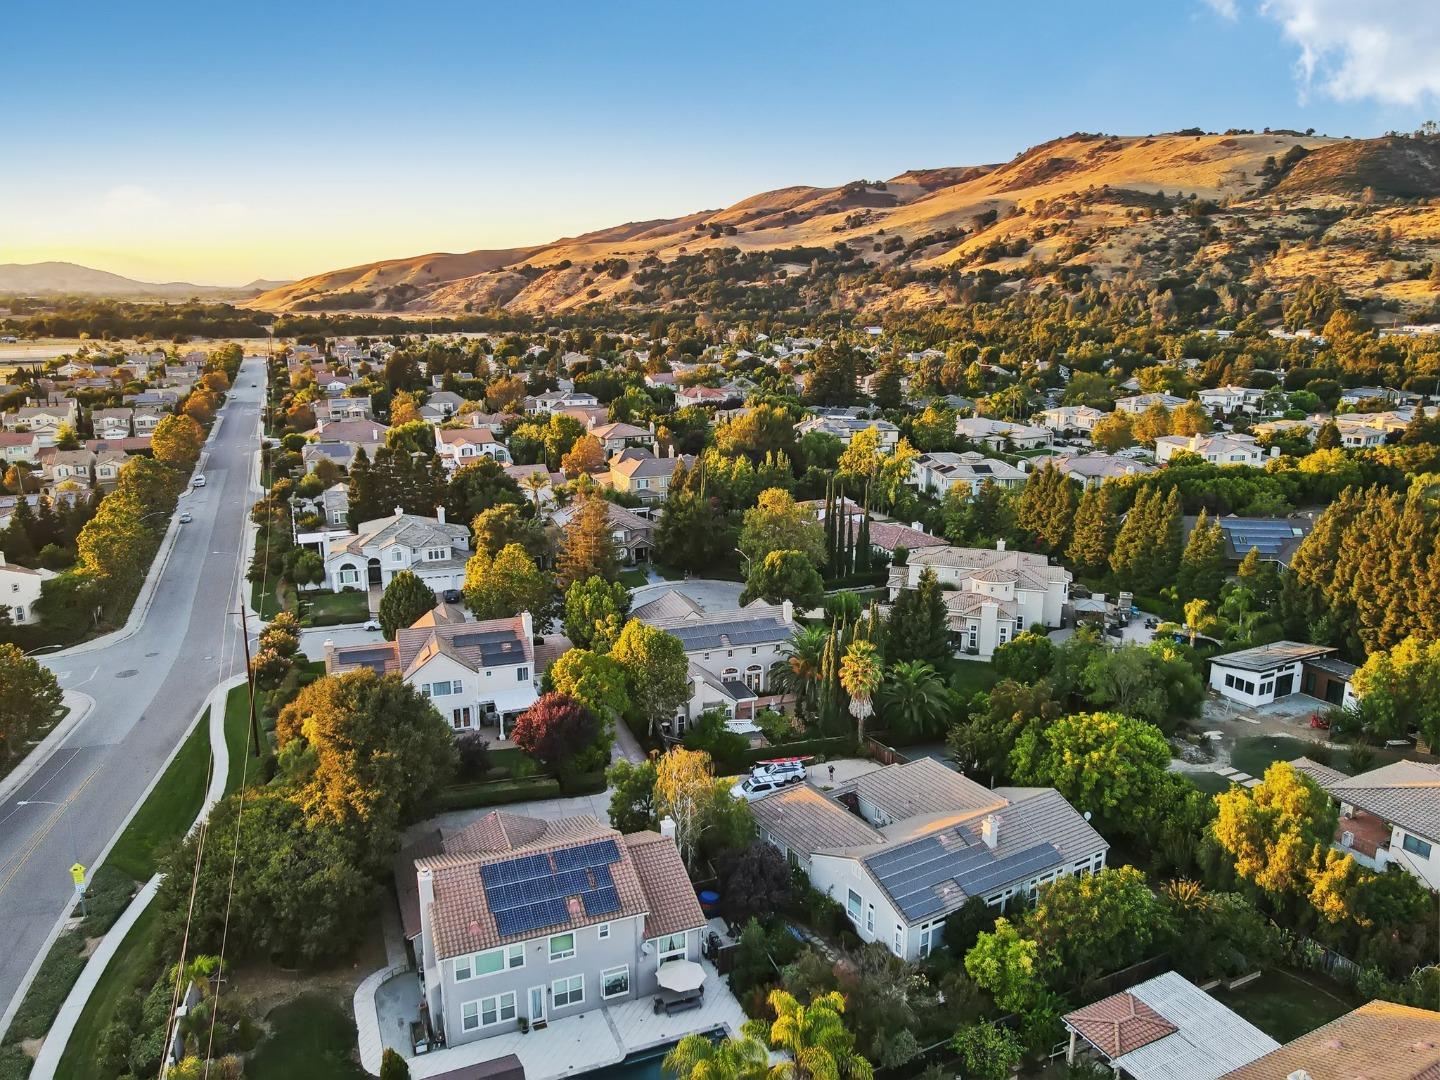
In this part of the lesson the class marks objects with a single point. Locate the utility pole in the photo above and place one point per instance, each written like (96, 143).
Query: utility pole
(250, 678)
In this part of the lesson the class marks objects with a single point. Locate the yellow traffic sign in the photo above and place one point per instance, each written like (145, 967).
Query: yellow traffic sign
(77, 874)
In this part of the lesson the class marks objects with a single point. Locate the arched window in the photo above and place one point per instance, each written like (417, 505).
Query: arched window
(753, 677)
(729, 675)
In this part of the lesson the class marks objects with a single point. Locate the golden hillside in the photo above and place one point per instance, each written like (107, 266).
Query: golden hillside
(1267, 210)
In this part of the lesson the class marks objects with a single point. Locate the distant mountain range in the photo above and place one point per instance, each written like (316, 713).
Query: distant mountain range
(1256, 211)
(71, 279)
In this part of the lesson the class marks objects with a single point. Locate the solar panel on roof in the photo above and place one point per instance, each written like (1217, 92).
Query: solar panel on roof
(512, 870)
(601, 901)
(596, 853)
(923, 876)
(531, 917)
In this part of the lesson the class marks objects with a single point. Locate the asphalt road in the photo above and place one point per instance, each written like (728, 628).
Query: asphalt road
(147, 690)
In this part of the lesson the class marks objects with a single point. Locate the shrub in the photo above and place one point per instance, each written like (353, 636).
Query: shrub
(473, 751)
(15, 1064)
(52, 985)
(498, 793)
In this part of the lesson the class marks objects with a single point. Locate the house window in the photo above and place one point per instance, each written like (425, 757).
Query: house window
(488, 1011)
(604, 930)
(435, 554)
(730, 674)
(569, 991)
(870, 917)
(852, 904)
(397, 555)
(615, 982)
(489, 962)
(899, 940)
(1416, 846)
(349, 575)
(753, 677)
(671, 948)
(521, 674)
(930, 936)
(562, 947)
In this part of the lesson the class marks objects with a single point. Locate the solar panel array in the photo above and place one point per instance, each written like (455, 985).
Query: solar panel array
(925, 875)
(1269, 537)
(738, 633)
(531, 892)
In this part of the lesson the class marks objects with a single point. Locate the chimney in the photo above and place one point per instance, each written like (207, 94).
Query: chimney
(990, 831)
(329, 653)
(399, 510)
(440, 514)
(999, 545)
(2, 558)
(667, 827)
(789, 610)
(1275, 452)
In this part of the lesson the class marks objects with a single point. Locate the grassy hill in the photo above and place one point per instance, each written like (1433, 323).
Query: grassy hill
(1249, 211)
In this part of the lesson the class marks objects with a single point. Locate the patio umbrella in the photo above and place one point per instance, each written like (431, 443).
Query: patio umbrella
(681, 976)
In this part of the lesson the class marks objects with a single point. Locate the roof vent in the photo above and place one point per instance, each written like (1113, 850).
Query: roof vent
(1298, 1074)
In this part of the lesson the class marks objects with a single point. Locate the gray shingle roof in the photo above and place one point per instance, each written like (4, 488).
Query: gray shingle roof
(1404, 793)
(923, 787)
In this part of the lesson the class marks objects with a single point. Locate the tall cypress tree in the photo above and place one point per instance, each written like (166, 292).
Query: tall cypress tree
(1094, 533)
(864, 555)
(1202, 565)
(919, 628)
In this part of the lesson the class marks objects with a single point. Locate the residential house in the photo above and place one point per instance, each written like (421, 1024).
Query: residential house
(367, 435)
(67, 467)
(996, 593)
(640, 473)
(441, 406)
(937, 473)
(19, 446)
(111, 423)
(340, 454)
(730, 655)
(430, 548)
(330, 410)
(477, 674)
(546, 494)
(846, 428)
(920, 842)
(617, 437)
(1271, 428)
(1378, 1041)
(517, 919)
(20, 589)
(1071, 419)
(130, 445)
(885, 535)
(1373, 429)
(634, 535)
(108, 464)
(44, 420)
(1230, 448)
(704, 395)
(1273, 539)
(1356, 394)
(1229, 399)
(463, 446)
(1164, 1028)
(144, 419)
(1002, 434)
(555, 400)
(1092, 470)
(1144, 402)
(659, 378)
(1388, 816)
(1254, 677)
(493, 422)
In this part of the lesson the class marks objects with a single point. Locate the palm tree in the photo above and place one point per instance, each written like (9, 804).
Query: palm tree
(695, 1057)
(798, 670)
(816, 1038)
(860, 673)
(535, 482)
(913, 699)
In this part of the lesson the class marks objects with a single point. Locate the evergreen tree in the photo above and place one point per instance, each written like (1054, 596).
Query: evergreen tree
(1046, 509)
(1328, 436)
(865, 554)
(1094, 532)
(1202, 565)
(831, 378)
(588, 548)
(918, 627)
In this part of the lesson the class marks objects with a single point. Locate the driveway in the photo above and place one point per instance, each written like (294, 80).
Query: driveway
(148, 687)
(712, 594)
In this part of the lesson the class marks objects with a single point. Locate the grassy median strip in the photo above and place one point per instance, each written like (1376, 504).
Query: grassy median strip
(170, 810)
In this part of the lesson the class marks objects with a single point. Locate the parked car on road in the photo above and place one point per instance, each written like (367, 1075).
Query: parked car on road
(185, 518)
(199, 481)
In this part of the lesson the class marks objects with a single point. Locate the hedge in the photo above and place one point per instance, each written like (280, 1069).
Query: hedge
(826, 747)
(57, 975)
(498, 792)
(583, 783)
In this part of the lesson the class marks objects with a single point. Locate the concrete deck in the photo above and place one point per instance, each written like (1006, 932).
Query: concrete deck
(567, 1047)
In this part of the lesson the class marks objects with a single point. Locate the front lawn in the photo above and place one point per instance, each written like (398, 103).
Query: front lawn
(310, 1038)
(1285, 1005)
(633, 578)
(970, 677)
(127, 973)
(332, 609)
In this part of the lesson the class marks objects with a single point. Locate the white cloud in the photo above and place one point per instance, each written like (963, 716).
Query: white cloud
(1226, 9)
(1384, 50)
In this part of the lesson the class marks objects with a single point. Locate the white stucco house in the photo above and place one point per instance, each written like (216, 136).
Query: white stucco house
(1002, 434)
(1254, 677)
(477, 674)
(920, 841)
(937, 473)
(429, 547)
(20, 589)
(1230, 448)
(993, 593)
(1064, 419)
(461, 446)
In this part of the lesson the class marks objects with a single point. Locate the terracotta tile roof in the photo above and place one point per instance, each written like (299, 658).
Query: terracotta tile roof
(1119, 1024)
(1378, 1041)
(672, 901)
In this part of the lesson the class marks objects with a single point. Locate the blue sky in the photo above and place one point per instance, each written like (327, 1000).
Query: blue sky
(218, 143)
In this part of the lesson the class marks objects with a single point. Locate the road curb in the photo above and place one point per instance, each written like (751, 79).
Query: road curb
(27, 768)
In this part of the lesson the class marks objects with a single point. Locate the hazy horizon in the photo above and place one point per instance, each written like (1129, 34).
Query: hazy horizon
(173, 144)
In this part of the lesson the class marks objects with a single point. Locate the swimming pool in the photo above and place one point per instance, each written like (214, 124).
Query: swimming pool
(644, 1064)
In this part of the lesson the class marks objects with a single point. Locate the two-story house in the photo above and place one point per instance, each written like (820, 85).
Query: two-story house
(19, 446)
(20, 589)
(462, 446)
(1140, 403)
(556, 400)
(1092, 470)
(642, 474)
(328, 410)
(429, 547)
(615, 438)
(516, 918)
(1230, 448)
(1229, 399)
(1071, 419)
(633, 534)
(730, 655)
(921, 841)
(477, 674)
(1388, 816)
(441, 406)
(111, 423)
(1002, 434)
(937, 473)
(846, 428)
(44, 420)
(994, 593)
(67, 467)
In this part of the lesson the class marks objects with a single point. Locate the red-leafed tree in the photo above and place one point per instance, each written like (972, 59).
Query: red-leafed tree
(555, 729)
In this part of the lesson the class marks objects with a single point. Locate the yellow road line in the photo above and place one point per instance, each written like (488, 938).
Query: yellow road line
(33, 844)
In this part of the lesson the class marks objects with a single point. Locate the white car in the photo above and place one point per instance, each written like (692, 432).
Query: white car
(371, 624)
(757, 787)
(787, 772)
(199, 481)
(185, 518)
